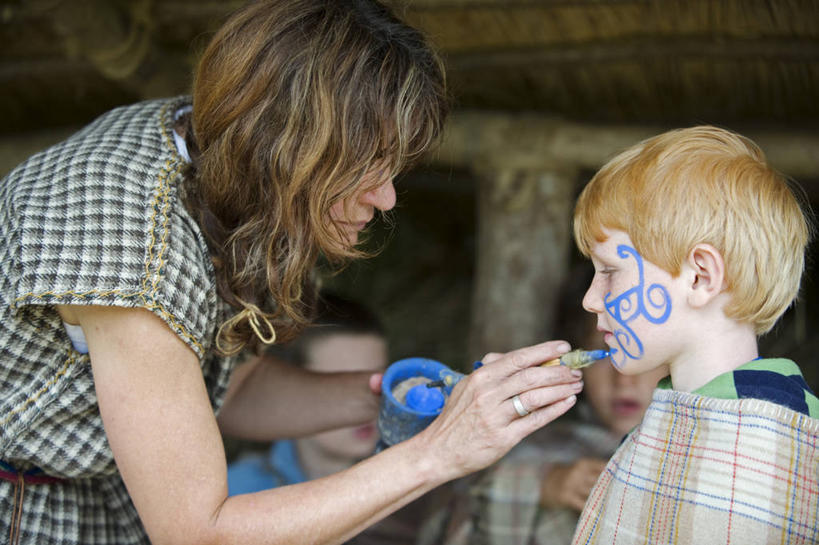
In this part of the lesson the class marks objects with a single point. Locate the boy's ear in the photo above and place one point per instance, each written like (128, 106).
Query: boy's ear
(709, 274)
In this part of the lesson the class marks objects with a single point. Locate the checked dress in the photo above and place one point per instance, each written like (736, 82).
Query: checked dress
(94, 220)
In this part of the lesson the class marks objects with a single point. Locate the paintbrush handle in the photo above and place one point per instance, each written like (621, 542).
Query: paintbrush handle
(551, 363)
(577, 359)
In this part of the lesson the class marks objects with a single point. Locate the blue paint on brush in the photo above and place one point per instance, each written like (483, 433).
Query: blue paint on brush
(597, 354)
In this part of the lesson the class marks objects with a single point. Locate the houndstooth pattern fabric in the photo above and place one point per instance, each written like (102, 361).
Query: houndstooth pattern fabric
(94, 220)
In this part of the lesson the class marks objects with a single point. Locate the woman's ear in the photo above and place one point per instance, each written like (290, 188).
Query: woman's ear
(709, 274)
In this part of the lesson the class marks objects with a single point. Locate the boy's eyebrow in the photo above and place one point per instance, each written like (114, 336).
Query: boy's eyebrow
(596, 256)
(606, 263)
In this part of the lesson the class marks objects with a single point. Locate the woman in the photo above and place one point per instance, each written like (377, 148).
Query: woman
(145, 253)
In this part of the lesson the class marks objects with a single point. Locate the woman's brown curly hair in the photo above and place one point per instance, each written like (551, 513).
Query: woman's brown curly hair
(293, 102)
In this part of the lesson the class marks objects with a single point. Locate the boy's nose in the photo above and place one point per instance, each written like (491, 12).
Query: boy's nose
(382, 197)
(592, 302)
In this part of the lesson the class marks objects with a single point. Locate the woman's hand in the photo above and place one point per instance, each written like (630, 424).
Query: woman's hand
(375, 383)
(569, 485)
(480, 422)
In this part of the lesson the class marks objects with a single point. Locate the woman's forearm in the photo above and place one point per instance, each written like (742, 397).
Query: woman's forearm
(160, 426)
(335, 508)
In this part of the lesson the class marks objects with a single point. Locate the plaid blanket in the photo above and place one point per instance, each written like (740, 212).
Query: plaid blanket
(505, 505)
(501, 505)
(707, 470)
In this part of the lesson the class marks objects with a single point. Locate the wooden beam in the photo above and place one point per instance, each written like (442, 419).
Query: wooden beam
(526, 168)
(539, 142)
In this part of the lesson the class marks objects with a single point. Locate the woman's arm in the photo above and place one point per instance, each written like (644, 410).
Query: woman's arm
(269, 399)
(167, 445)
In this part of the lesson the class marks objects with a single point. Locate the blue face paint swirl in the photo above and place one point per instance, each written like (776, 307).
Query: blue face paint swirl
(630, 305)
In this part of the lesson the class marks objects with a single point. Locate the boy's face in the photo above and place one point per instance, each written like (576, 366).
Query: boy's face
(634, 301)
(619, 401)
(347, 352)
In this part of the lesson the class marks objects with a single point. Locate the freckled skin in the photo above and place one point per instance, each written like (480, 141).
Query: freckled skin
(640, 307)
(631, 305)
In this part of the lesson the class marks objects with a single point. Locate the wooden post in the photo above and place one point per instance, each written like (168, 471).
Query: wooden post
(523, 240)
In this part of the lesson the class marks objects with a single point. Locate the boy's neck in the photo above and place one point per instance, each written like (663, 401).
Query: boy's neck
(717, 350)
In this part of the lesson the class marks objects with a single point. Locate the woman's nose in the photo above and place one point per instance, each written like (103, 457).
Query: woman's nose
(381, 197)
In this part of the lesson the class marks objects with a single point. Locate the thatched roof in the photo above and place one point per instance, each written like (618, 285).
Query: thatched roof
(597, 74)
(674, 61)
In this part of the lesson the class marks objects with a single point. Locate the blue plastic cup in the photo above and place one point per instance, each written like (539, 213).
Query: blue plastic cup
(398, 421)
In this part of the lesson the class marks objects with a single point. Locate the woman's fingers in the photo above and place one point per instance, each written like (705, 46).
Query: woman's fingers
(529, 401)
(519, 372)
(512, 362)
(528, 381)
(521, 426)
(517, 383)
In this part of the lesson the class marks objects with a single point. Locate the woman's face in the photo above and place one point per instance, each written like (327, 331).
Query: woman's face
(351, 215)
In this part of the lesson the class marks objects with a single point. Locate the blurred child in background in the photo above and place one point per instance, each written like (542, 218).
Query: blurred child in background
(345, 336)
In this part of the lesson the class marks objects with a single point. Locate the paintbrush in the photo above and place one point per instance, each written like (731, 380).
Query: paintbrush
(577, 359)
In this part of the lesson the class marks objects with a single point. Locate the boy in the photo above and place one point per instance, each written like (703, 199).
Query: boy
(344, 336)
(698, 248)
